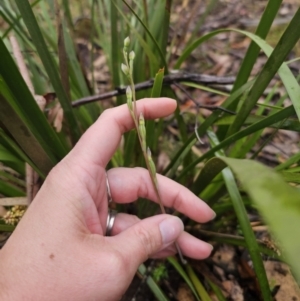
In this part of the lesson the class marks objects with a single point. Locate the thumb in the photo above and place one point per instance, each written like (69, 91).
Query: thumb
(147, 237)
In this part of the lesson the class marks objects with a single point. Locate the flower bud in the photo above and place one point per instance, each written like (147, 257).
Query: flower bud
(125, 69)
(126, 42)
(125, 48)
(149, 154)
(142, 130)
(131, 55)
(129, 97)
(128, 92)
(151, 164)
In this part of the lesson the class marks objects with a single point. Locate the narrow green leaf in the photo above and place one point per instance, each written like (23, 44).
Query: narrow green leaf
(152, 284)
(244, 222)
(76, 75)
(156, 91)
(208, 173)
(183, 274)
(115, 47)
(130, 148)
(16, 149)
(147, 49)
(234, 240)
(7, 228)
(162, 57)
(158, 82)
(10, 190)
(216, 290)
(206, 124)
(197, 284)
(22, 134)
(17, 97)
(262, 30)
(285, 113)
(66, 5)
(284, 46)
(288, 124)
(164, 31)
(8, 158)
(12, 178)
(179, 159)
(292, 160)
(291, 177)
(50, 66)
(272, 192)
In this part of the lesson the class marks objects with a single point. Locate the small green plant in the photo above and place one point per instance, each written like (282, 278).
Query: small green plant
(160, 272)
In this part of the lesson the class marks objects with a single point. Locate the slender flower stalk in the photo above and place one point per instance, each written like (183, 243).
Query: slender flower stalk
(139, 123)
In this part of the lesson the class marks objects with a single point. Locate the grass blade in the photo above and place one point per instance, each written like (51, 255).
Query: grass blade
(150, 126)
(244, 222)
(253, 50)
(162, 57)
(197, 284)
(285, 113)
(23, 102)
(29, 144)
(272, 192)
(184, 275)
(153, 285)
(284, 46)
(115, 47)
(50, 66)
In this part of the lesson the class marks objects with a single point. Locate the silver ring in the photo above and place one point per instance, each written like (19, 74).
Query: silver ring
(111, 216)
(109, 197)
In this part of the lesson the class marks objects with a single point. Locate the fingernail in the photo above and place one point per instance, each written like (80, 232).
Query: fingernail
(170, 228)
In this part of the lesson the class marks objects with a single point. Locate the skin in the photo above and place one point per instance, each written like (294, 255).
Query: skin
(59, 251)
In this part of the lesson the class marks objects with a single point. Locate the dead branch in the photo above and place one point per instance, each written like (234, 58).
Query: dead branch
(168, 80)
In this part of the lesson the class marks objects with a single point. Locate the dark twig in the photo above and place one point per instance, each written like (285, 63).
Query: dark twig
(168, 80)
(198, 105)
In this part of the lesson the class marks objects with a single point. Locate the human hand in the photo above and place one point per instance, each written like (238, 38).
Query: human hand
(59, 251)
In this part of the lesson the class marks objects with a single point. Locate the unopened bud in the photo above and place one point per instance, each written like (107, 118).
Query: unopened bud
(128, 92)
(149, 155)
(142, 130)
(131, 55)
(125, 69)
(129, 98)
(125, 48)
(126, 42)
(151, 163)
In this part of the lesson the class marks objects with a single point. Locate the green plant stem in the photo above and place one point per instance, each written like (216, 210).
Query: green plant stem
(135, 120)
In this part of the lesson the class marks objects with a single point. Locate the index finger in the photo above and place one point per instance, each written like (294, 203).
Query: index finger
(129, 184)
(101, 140)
